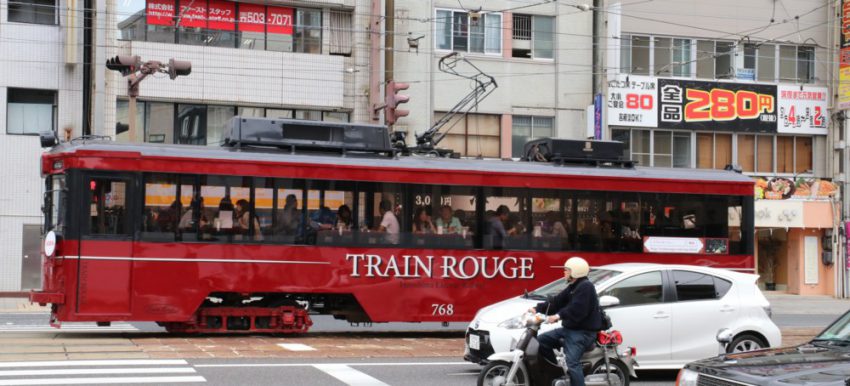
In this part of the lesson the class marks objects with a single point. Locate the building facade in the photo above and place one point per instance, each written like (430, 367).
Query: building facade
(40, 90)
(698, 85)
(540, 56)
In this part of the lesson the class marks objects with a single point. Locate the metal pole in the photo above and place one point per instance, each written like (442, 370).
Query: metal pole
(133, 92)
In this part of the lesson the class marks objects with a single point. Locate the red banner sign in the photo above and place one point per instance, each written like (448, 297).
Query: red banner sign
(252, 18)
(160, 12)
(221, 15)
(193, 14)
(279, 20)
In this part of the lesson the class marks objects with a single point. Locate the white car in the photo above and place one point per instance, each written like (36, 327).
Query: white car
(670, 314)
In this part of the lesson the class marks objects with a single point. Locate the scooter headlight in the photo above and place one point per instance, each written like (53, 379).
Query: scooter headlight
(514, 323)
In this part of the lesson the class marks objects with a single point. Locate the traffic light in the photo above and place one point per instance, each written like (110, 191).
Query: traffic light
(392, 113)
(179, 68)
(125, 64)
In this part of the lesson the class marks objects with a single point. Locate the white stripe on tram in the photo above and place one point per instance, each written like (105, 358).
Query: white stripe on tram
(187, 260)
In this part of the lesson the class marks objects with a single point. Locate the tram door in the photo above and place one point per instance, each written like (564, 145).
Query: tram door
(106, 247)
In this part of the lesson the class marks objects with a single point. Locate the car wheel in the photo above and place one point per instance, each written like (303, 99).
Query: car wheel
(744, 343)
(616, 368)
(496, 374)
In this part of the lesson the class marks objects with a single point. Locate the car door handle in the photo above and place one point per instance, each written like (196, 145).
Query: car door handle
(661, 315)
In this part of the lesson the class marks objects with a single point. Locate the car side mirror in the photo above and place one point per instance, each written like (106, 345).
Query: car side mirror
(608, 301)
(724, 336)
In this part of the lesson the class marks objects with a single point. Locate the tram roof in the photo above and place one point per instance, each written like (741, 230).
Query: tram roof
(402, 162)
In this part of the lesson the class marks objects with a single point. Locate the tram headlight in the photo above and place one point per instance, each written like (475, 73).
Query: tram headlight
(513, 323)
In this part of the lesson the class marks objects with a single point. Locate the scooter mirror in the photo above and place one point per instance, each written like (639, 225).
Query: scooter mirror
(608, 301)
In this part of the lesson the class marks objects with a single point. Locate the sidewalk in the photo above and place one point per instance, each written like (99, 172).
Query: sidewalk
(20, 305)
(789, 304)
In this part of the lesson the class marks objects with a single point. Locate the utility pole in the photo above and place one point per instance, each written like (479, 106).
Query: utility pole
(129, 66)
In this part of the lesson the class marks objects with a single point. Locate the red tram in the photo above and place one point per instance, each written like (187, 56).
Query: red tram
(227, 240)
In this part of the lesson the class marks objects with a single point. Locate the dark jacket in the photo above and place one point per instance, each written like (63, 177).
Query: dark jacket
(577, 305)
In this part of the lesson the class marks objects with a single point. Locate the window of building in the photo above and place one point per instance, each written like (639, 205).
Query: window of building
(705, 59)
(341, 32)
(768, 154)
(787, 63)
(723, 60)
(30, 111)
(714, 150)
(663, 55)
(473, 135)
(682, 57)
(159, 122)
(543, 37)
(805, 64)
(461, 31)
(750, 56)
(639, 55)
(658, 148)
(191, 124)
(526, 128)
(218, 119)
(33, 11)
(766, 63)
(308, 31)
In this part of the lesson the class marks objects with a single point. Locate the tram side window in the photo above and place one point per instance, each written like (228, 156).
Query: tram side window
(443, 216)
(287, 224)
(506, 215)
(591, 224)
(385, 215)
(108, 207)
(224, 207)
(549, 230)
(162, 210)
(330, 213)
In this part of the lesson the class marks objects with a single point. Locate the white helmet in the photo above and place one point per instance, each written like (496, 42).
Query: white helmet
(578, 267)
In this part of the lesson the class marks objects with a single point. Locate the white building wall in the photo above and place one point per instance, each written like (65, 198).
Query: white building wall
(32, 56)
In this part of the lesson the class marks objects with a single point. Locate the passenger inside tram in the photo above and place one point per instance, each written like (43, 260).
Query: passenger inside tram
(447, 222)
(422, 223)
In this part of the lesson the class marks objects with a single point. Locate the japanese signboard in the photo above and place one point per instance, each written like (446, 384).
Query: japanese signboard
(803, 111)
(844, 58)
(193, 14)
(697, 105)
(279, 20)
(252, 18)
(221, 15)
(160, 12)
(632, 101)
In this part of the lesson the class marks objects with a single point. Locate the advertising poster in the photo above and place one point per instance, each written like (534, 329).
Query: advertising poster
(698, 105)
(844, 58)
(194, 15)
(802, 112)
(222, 15)
(632, 101)
(160, 12)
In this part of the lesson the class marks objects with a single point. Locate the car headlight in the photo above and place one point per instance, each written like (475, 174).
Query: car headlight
(513, 323)
(687, 378)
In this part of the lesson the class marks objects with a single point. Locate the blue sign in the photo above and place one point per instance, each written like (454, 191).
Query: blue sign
(597, 116)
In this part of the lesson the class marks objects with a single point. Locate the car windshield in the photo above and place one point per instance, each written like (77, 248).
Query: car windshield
(838, 331)
(595, 276)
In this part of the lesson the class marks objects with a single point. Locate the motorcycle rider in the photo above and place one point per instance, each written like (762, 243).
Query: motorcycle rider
(577, 307)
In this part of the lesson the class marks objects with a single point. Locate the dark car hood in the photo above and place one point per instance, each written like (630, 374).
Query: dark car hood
(802, 365)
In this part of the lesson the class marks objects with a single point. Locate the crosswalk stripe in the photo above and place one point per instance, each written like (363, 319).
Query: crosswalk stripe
(104, 362)
(101, 380)
(349, 376)
(141, 370)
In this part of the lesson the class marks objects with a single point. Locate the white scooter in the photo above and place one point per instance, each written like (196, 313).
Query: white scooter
(525, 366)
